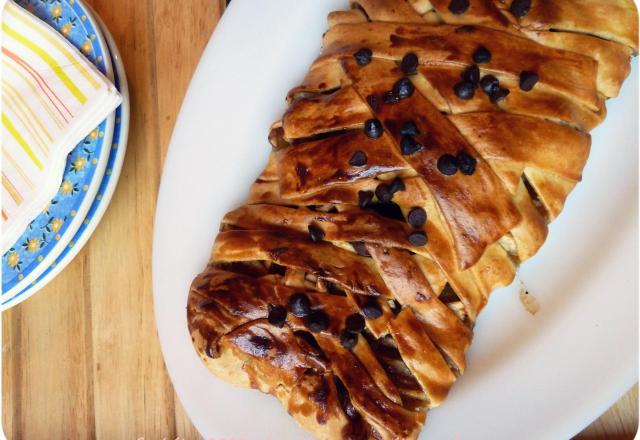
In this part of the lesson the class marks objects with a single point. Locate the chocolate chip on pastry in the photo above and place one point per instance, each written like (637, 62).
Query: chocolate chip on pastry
(489, 84)
(316, 233)
(355, 323)
(373, 128)
(471, 74)
(363, 56)
(481, 55)
(465, 90)
(418, 238)
(410, 129)
(277, 316)
(358, 159)
(374, 102)
(397, 185)
(384, 193)
(448, 164)
(365, 198)
(499, 94)
(403, 88)
(348, 339)
(528, 80)
(371, 309)
(318, 290)
(390, 98)
(458, 7)
(300, 305)
(408, 145)
(417, 217)
(361, 248)
(317, 321)
(409, 63)
(520, 8)
(466, 163)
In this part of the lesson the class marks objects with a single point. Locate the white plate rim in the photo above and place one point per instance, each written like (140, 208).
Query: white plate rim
(571, 424)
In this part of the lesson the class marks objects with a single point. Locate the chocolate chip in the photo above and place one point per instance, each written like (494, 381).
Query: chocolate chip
(410, 129)
(471, 74)
(403, 88)
(388, 210)
(374, 102)
(348, 340)
(299, 304)
(458, 7)
(277, 316)
(358, 159)
(320, 394)
(383, 192)
(409, 63)
(418, 238)
(373, 128)
(276, 269)
(345, 402)
(417, 217)
(354, 323)
(360, 248)
(206, 304)
(334, 289)
(520, 8)
(448, 164)
(396, 307)
(390, 97)
(464, 90)
(364, 198)
(397, 185)
(499, 94)
(408, 145)
(481, 55)
(371, 309)
(260, 345)
(317, 321)
(316, 233)
(466, 163)
(363, 56)
(489, 83)
(528, 80)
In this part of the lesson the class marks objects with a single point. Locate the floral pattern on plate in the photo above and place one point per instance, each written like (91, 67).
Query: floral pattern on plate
(70, 19)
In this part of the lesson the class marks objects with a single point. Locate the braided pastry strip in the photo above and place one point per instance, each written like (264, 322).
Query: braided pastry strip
(347, 221)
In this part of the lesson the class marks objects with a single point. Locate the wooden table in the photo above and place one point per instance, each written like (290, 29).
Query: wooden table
(81, 359)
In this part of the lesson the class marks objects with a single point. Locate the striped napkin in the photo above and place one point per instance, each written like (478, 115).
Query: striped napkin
(52, 98)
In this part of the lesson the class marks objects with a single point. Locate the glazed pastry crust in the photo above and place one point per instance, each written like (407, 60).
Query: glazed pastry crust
(344, 215)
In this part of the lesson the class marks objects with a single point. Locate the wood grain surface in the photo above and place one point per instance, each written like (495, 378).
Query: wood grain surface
(81, 359)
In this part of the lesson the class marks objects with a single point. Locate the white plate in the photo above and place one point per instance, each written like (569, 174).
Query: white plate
(529, 377)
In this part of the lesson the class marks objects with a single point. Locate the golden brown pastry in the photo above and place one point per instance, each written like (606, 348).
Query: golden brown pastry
(418, 164)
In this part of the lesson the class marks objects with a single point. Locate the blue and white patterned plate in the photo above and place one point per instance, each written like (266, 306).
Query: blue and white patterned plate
(107, 185)
(52, 230)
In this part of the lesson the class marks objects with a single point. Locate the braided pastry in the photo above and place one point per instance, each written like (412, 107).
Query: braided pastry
(417, 165)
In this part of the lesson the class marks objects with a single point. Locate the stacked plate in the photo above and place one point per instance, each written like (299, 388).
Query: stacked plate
(92, 168)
